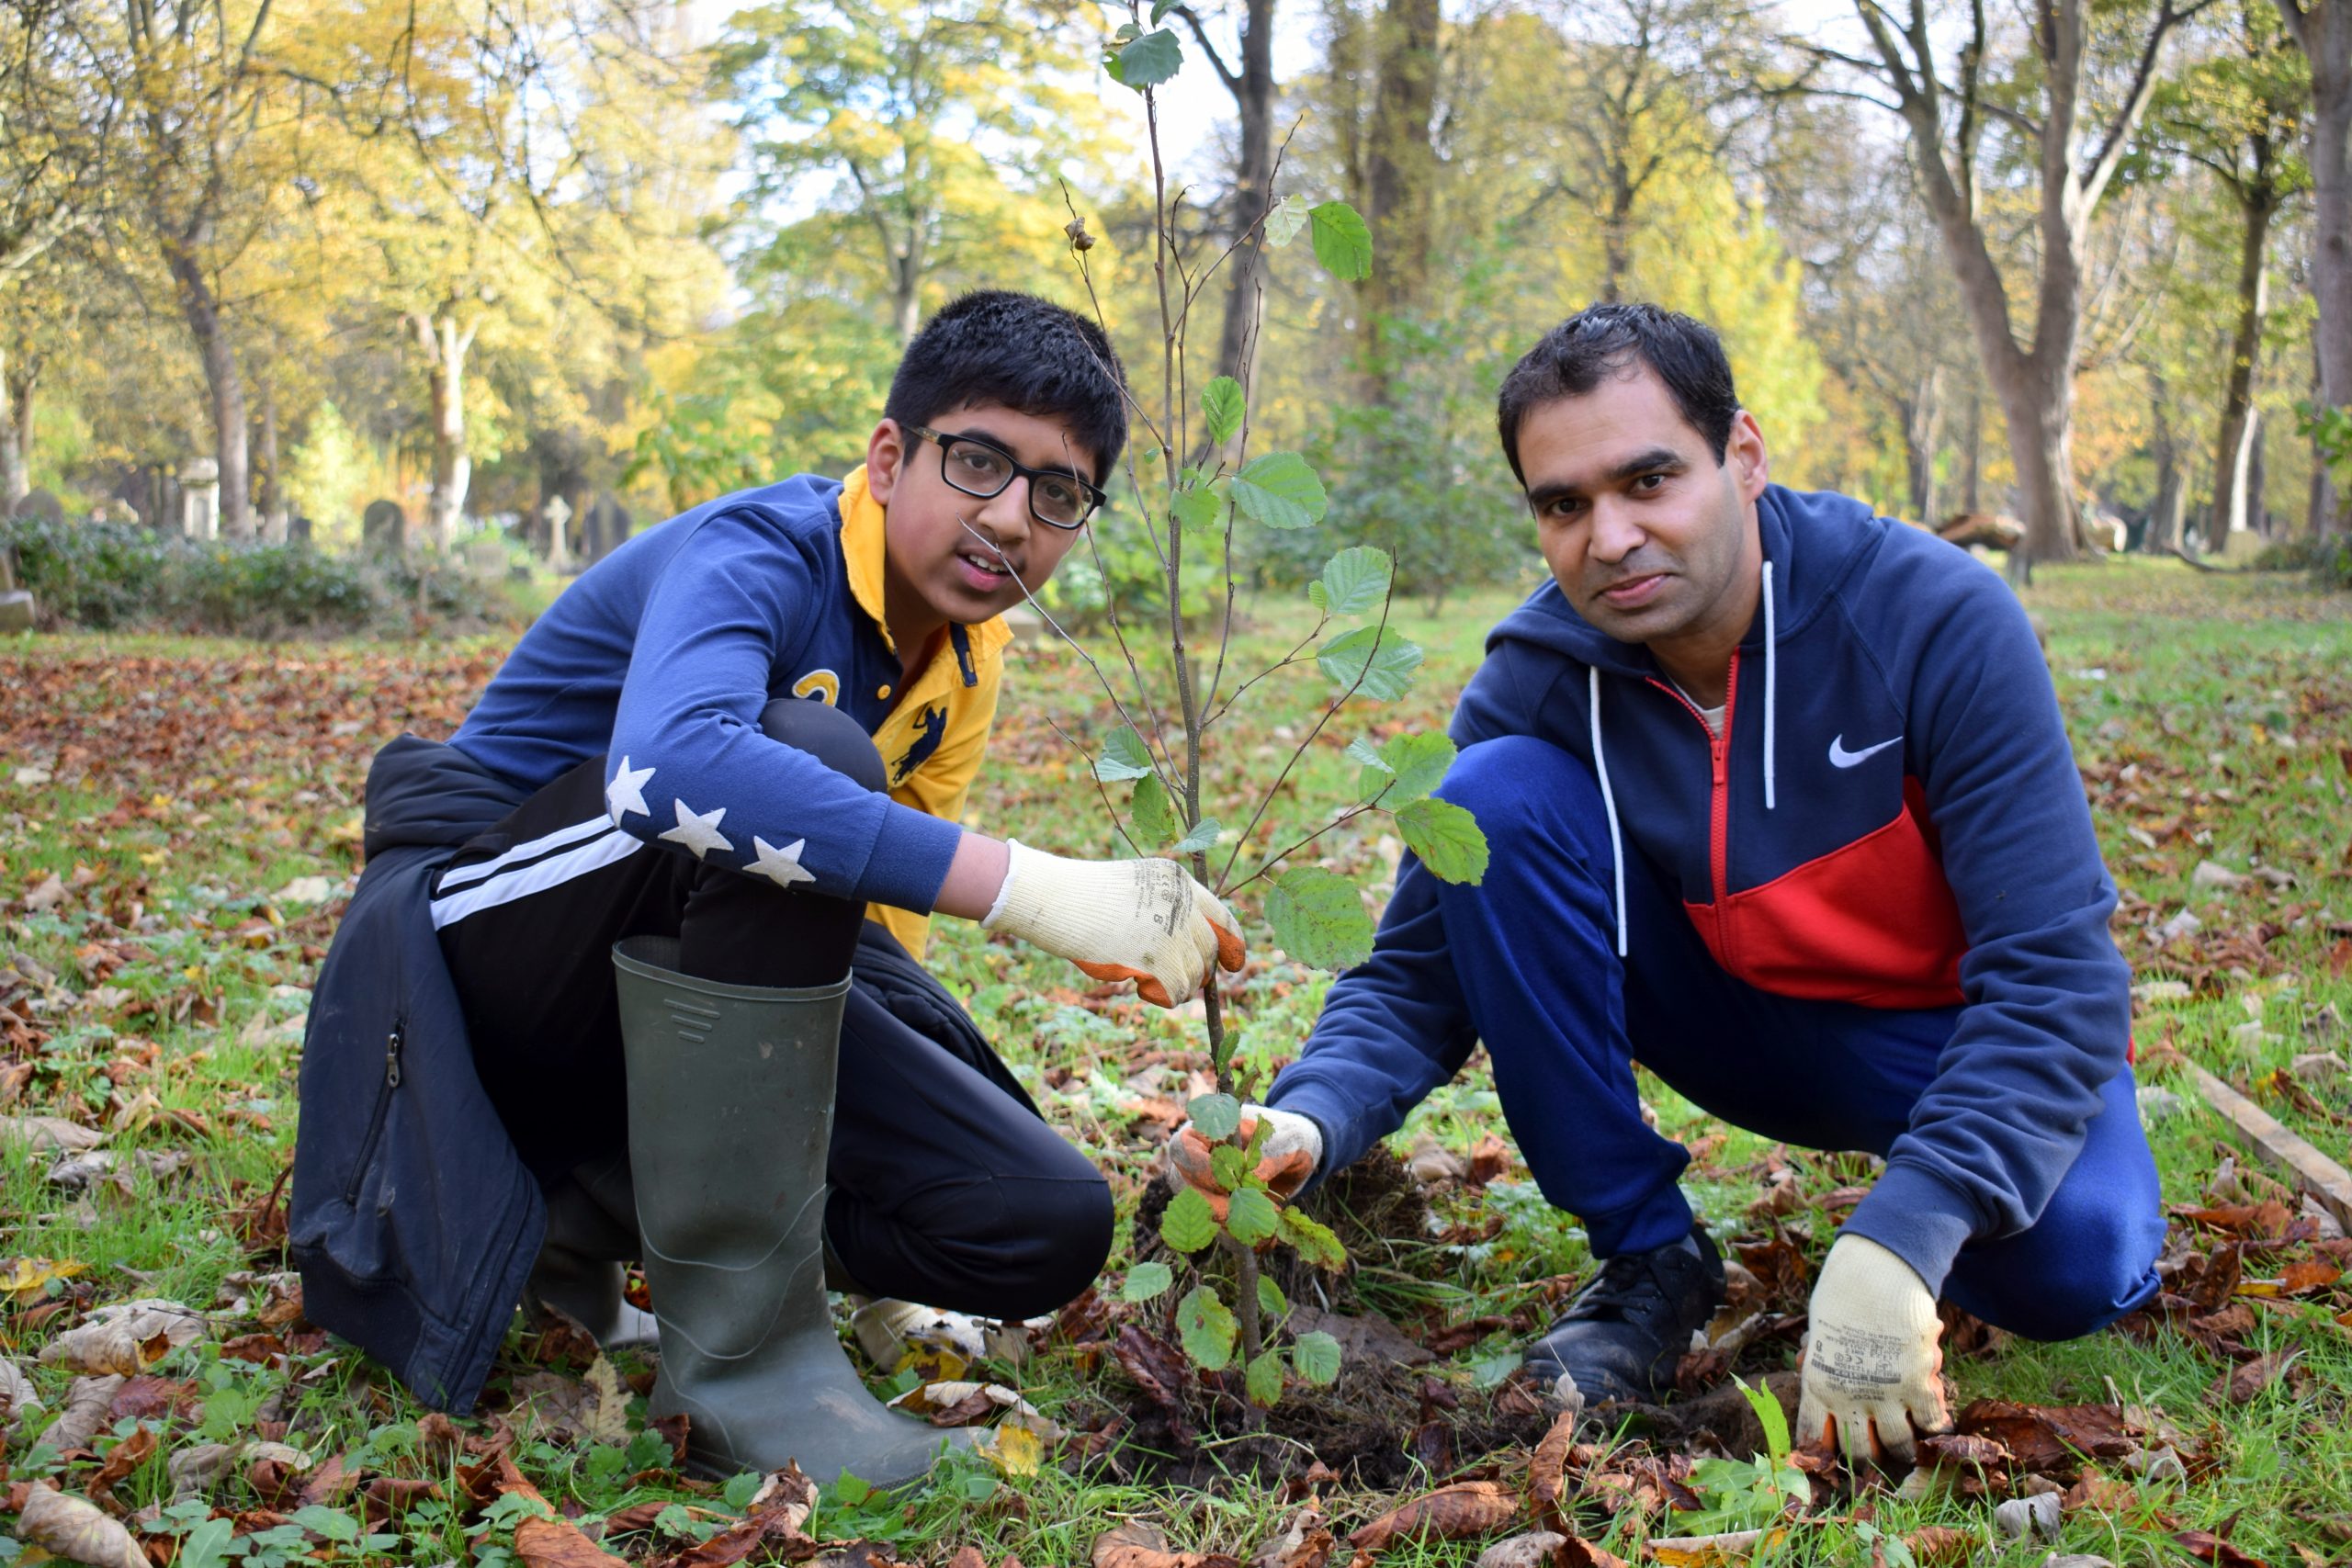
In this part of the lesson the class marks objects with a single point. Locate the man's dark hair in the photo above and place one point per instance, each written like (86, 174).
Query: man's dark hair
(1606, 341)
(1028, 355)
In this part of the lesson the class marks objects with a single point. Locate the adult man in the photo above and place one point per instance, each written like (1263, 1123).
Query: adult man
(1782, 806)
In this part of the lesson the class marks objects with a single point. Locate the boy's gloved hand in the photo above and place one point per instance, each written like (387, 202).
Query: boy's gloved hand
(1871, 1364)
(1145, 920)
(1293, 1152)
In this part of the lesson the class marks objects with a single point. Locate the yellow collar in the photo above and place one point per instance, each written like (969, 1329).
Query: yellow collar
(864, 549)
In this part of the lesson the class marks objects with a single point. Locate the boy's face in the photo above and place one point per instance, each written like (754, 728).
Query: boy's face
(938, 570)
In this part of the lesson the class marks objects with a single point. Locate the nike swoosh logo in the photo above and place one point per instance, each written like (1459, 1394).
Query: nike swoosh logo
(1841, 757)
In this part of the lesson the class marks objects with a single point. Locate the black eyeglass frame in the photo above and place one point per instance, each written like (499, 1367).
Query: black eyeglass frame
(1093, 493)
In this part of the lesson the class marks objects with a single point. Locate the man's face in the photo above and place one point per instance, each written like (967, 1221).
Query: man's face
(941, 565)
(1652, 538)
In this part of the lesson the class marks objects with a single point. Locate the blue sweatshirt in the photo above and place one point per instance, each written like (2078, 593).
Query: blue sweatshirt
(1892, 818)
(662, 657)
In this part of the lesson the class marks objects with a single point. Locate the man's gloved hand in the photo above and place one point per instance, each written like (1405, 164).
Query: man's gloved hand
(1293, 1149)
(1872, 1369)
(1145, 920)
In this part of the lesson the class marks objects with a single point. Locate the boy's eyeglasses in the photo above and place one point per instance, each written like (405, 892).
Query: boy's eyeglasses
(982, 469)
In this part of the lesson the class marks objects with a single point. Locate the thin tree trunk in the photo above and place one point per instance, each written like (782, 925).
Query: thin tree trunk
(1970, 500)
(15, 455)
(445, 347)
(2230, 451)
(2164, 519)
(1400, 175)
(2324, 30)
(1617, 238)
(227, 386)
(1253, 93)
(272, 493)
(1923, 418)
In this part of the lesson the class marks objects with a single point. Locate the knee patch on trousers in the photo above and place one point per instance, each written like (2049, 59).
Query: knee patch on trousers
(828, 734)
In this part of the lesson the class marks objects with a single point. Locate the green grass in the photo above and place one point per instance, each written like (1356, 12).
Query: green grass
(180, 788)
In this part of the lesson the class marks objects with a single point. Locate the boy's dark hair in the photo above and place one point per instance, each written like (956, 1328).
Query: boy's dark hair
(1608, 340)
(994, 346)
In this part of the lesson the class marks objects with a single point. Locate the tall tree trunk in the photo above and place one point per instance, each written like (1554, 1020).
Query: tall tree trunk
(2038, 401)
(1617, 238)
(227, 384)
(2324, 29)
(1253, 171)
(2258, 507)
(1971, 498)
(2163, 534)
(2230, 451)
(273, 492)
(446, 347)
(16, 456)
(1923, 423)
(1400, 175)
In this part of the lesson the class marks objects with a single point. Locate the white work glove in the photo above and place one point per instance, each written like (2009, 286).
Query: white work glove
(1292, 1155)
(1872, 1369)
(1145, 920)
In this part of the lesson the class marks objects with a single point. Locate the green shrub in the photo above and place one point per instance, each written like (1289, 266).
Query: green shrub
(107, 576)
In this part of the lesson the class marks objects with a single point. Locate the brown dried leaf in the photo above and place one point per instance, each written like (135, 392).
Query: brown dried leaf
(1581, 1553)
(1548, 1472)
(1535, 1549)
(1940, 1546)
(2241, 1384)
(125, 1337)
(153, 1398)
(49, 1135)
(1140, 1546)
(2207, 1547)
(127, 1456)
(1713, 1550)
(559, 1543)
(88, 1402)
(77, 1530)
(1450, 1513)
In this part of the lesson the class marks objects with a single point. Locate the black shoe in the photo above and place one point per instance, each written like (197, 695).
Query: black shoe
(1625, 1331)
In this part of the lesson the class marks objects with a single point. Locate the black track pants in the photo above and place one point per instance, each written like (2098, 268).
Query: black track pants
(947, 1187)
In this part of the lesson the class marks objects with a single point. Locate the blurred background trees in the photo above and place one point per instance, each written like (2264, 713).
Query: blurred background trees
(558, 270)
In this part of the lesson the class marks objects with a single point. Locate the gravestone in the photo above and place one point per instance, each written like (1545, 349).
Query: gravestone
(486, 559)
(383, 526)
(200, 499)
(39, 503)
(604, 529)
(15, 605)
(558, 515)
(298, 529)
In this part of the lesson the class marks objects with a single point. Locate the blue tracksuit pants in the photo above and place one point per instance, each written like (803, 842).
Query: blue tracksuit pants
(1527, 946)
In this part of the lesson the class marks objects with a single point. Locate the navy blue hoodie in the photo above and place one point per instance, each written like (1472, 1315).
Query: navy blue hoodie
(1892, 818)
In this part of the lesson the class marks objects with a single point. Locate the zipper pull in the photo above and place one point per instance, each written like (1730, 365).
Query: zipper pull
(392, 1060)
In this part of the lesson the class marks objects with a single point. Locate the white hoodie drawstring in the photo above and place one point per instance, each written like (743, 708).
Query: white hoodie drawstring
(1608, 806)
(1771, 671)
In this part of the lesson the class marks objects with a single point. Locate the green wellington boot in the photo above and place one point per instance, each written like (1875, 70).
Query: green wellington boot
(730, 1111)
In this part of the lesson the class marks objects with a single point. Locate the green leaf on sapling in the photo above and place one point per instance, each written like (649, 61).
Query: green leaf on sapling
(1318, 918)
(1223, 406)
(1352, 582)
(1417, 763)
(1280, 490)
(1188, 1224)
(1342, 239)
(1145, 1281)
(1284, 220)
(1447, 838)
(1377, 661)
(1271, 1300)
(1206, 1328)
(1232, 1167)
(1362, 749)
(1202, 836)
(1155, 818)
(1153, 58)
(1252, 1218)
(1159, 9)
(1317, 1357)
(1124, 757)
(1214, 1116)
(1199, 511)
(1265, 1379)
(1312, 1240)
(1127, 33)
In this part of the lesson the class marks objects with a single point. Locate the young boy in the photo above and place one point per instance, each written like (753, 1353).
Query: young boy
(587, 1002)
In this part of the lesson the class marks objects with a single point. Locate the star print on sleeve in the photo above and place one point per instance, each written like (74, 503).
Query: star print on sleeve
(627, 791)
(781, 866)
(699, 830)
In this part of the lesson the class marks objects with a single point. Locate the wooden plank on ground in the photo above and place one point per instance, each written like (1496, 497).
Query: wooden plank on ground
(2313, 1171)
